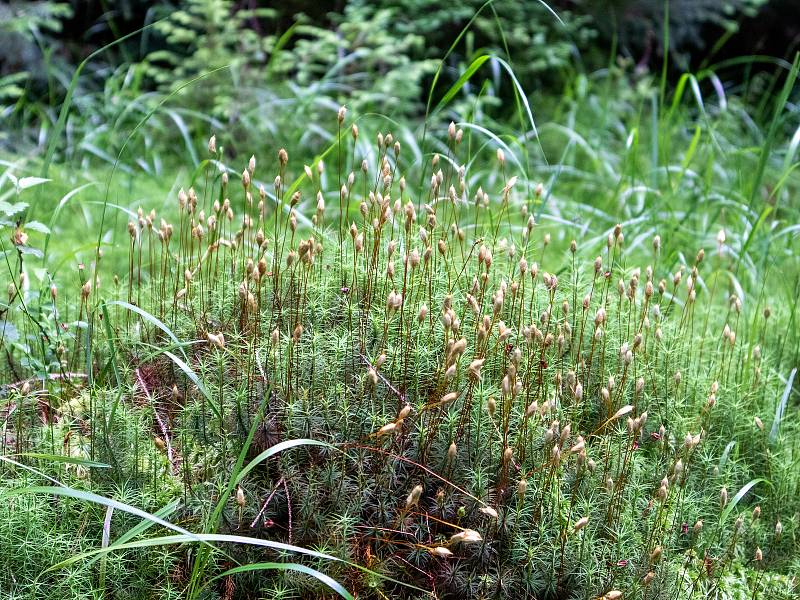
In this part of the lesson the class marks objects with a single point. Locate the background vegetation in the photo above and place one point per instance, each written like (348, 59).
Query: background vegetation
(298, 374)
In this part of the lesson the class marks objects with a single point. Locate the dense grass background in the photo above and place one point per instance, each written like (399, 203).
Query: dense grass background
(103, 458)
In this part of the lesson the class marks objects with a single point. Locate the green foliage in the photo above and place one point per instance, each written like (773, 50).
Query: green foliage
(206, 35)
(362, 59)
(25, 30)
(542, 43)
(30, 21)
(241, 394)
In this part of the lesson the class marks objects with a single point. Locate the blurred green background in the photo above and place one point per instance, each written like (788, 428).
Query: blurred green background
(375, 56)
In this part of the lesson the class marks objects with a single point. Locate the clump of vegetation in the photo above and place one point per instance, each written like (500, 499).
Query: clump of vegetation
(547, 351)
(401, 378)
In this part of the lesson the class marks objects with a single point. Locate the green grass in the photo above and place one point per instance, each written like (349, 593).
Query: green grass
(146, 456)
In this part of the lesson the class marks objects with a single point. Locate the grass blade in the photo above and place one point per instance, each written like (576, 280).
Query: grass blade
(772, 132)
(780, 409)
(69, 492)
(153, 320)
(739, 495)
(64, 459)
(196, 380)
(275, 450)
(328, 581)
(215, 538)
(461, 81)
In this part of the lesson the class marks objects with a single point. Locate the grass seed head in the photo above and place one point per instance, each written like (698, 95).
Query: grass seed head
(522, 488)
(467, 536)
(655, 555)
(580, 524)
(698, 527)
(404, 412)
(387, 429)
(413, 498)
(452, 451)
(489, 511)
